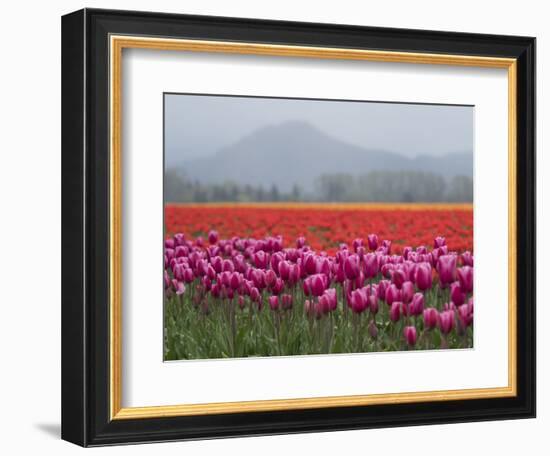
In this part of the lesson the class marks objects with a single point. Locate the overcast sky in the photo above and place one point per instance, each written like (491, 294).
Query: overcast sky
(198, 125)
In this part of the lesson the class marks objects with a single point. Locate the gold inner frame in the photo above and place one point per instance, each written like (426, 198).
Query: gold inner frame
(117, 44)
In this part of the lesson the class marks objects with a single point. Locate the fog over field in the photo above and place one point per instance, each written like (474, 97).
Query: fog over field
(220, 148)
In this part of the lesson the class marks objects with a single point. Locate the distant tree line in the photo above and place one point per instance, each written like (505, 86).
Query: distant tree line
(375, 186)
(394, 186)
(179, 188)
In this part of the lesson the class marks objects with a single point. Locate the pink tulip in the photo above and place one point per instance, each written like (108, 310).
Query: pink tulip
(273, 302)
(310, 264)
(370, 265)
(328, 302)
(179, 287)
(410, 335)
(439, 241)
(351, 267)
(358, 301)
(467, 259)
(381, 289)
(431, 318)
(398, 277)
(392, 294)
(395, 311)
(446, 267)
(227, 265)
(373, 303)
(213, 237)
(300, 242)
(270, 278)
(241, 302)
(423, 276)
(457, 296)
(255, 294)
(465, 315)
(261, 259)
(284, 270)
(407, 291)
(278, 286)
(446, 321)
(466, 278)
(372, 240)
(235, 281)
(286, 301)
(416, 307)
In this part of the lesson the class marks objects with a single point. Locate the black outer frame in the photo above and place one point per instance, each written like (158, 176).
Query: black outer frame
(85, 227)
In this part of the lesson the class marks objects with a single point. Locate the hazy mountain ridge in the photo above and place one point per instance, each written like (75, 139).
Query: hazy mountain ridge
(295, 152)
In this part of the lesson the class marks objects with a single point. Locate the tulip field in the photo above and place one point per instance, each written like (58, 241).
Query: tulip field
(297, 279)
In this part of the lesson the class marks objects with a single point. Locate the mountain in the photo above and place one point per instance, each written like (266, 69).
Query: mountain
(295, 152)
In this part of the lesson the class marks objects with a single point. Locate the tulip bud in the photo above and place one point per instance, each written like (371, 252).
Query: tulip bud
(241, 302)
(373, 329)
(286, 301)
(273, 302)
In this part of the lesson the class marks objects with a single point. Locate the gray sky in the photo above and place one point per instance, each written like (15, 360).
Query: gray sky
(197, 126)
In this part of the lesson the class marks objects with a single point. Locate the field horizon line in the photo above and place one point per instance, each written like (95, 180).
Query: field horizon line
(328, 205)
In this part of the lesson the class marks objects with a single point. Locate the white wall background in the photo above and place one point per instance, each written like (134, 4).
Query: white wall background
(30, 193)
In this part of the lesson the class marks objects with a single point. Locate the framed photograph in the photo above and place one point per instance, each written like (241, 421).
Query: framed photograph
(279, 227)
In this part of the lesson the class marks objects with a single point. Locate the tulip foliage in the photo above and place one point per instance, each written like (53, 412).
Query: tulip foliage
(243, 296)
